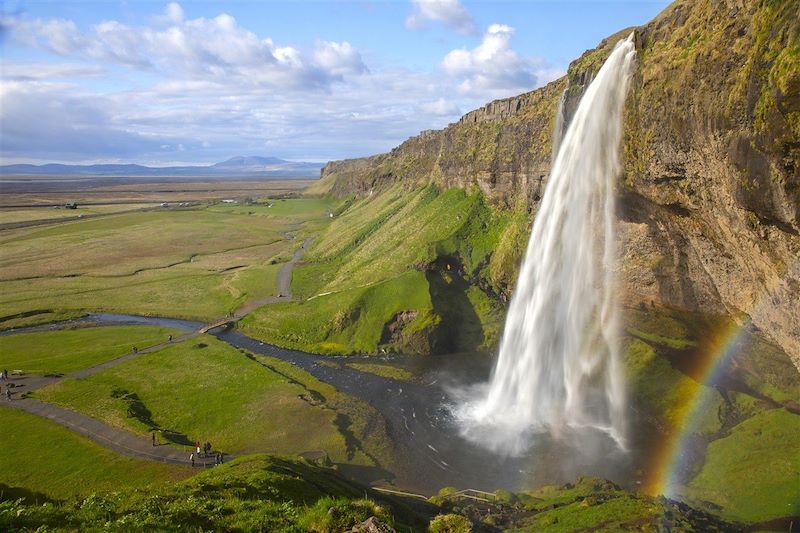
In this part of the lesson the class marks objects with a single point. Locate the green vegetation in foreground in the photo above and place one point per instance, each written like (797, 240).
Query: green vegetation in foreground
(753, 474)
(42, 458)
(205, 390)
(597, 505)
(280, 494)
(63, 351)
(195, 263)
(253, 493)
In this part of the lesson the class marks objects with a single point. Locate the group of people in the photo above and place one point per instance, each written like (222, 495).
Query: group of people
(207, 448)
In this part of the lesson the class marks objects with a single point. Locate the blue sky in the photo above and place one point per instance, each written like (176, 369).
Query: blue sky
(197, 82)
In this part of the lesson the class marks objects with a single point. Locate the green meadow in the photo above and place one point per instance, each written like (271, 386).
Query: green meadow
(753, 473)
(205, 390)
(45, 459)
(199, 263)
(63, 351)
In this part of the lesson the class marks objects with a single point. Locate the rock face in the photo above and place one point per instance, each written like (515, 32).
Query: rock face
(710, 198)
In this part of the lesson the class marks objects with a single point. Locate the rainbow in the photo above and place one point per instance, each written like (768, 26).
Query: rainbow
(670, 459)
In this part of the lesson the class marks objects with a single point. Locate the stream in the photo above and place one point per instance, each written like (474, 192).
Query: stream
(428, 450)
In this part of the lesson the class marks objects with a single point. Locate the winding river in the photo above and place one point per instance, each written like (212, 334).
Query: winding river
(428, 449)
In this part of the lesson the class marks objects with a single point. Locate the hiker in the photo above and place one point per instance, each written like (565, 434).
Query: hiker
(135, 349)
(169, 339)
(197, 448)
(191, 458)
(154, 439)
(4, 375)
(8, 394)
(219, 459)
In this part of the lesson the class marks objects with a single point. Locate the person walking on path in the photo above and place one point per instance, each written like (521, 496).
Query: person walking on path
(191, 458)
(8, 394)
(154, 439)
(169, 339)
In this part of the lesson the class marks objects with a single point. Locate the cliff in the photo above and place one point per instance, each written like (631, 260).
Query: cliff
(709, 205)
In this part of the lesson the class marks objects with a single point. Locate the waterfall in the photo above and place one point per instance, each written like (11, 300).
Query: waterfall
(558, 369)
(558, 128)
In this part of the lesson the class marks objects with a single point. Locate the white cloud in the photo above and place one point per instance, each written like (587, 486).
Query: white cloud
(212, 89)
(449, 12)
(200, 48)
(492, 69)
(441, 108)
(338, 58)
(12, 70)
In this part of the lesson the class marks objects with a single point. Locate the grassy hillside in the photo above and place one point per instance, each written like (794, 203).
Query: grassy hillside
(410, 272)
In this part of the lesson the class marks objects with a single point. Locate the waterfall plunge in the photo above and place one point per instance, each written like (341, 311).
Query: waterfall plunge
(558, 367)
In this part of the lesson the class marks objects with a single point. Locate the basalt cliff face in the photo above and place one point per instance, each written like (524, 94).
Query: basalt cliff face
(709, 210)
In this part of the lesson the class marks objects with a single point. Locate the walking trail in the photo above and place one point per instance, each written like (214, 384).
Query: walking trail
(119, 440)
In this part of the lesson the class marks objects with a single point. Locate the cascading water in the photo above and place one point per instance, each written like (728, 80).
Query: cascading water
(558, 367)
(558, 128)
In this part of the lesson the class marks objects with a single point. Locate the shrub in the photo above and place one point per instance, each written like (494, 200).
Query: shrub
(450, 523)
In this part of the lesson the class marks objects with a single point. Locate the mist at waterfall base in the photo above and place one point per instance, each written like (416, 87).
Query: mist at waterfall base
(557, 388)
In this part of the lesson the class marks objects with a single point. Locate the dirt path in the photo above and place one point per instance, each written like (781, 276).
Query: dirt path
(121, 441)
(284, 285)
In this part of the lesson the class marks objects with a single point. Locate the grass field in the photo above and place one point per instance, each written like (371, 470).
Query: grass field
(11, 215)
(59, 352)
(205, 390)
(134, 190)
(197, 263)
(753, 474)
(43, 457)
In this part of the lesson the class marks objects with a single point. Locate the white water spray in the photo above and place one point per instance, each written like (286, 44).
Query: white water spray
(558, 367)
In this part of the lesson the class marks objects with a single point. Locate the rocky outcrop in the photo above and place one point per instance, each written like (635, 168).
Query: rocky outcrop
(710, 196)
(504, 148)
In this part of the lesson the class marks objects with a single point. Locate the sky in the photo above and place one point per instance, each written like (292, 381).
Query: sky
(165, 83)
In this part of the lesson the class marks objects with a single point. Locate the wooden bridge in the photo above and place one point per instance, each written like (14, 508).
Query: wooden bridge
(227, 322)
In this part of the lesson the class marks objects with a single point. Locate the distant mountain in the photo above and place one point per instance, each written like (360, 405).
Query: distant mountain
(239, 166)
(241, 161)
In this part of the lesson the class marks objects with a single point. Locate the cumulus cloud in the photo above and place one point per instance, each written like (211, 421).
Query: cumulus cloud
(212, 88)
(441, 108)
(198, 48)
(338, 58)
(449, 12)
(492, 68)
(43, 121)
